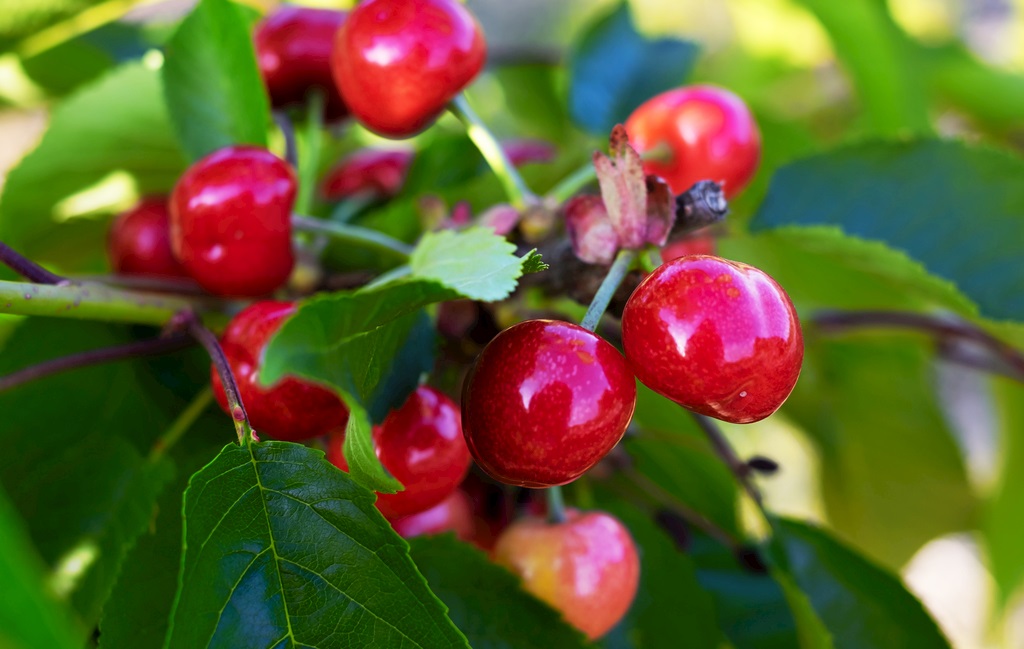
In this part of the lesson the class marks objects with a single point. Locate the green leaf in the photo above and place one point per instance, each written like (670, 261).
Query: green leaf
(893, 473)
(282, 549)
(863, 606)
(24, 17)
(1003, 525)
(117, 125)
(360, 454)
(476, 262)
(670, 604)
(952, 207)
(613, 69)
(533, 262)
(413, 359)
(30, 616)
(211, 81)
(486, 601)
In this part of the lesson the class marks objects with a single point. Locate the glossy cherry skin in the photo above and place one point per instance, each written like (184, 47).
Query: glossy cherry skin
(709, 131)
(231, 221)
(399, 62)
(544, 402)
(421, 445)
(587, 568)
(292, 410)
(139, 241)
(379, 173)
(293, 49)
(718, 337)
(453, 514)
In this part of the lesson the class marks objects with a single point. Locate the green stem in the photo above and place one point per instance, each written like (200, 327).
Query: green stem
(353, 234)
(519, 195)
(182, 424)
(571, 184)
(556, 505)
(93, 302)
(309, 155)
(82, 22)
(620, 267)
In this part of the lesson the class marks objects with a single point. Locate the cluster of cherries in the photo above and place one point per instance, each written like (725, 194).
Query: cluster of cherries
(546, 400)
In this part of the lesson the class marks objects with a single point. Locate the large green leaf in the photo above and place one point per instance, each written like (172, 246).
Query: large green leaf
(30, 616)
(1003, 526)
(118, 124)
(952, 207)
(863, 606)
(613, 69)
(893, 474)
(283, 550)
(486, 601)
(211, 81)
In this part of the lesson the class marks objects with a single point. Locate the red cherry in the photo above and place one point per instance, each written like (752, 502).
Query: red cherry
(293, 49)
(231, 221)
(377, 172)
(709, 131)
(421, 445)
(453, 514)
(399, 62)
(587, 568)
(545, 401)
(139, 242)
(718, 337)
(293, 410)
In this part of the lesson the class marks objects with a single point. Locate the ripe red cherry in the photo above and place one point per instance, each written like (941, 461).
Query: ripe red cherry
(545, 401)
(293, 49)
(376, 172)
(453, 514)
(399, 62)
(231, 221)
(709, 131)
(293, 410)
(421, 445)
(718, 337)
(139, 241)
(586, 568)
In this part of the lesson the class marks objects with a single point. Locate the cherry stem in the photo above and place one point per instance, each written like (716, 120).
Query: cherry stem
(353, 234)
(27, 268)
(724, 450)
(284, 123)
(1010, 360)
(701, 205)
(618, 271)
(556, 504)
(519, 194)
(209, 341)
(176, 285)
(95, 302)
(309, 155)
(138, 349)
(182, 424)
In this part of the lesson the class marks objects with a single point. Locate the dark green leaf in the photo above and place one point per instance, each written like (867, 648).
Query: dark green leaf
(893, 474)
(863, 606)
(66, 67)
(30, 617)
(415, 357)
(211, 81)
(476, 262)
(614, 69)
(447, 161)
(486, 601)
(282, 549)
(670, 604)
(534, 96)
(118, 124)
(952, 207)
(1003, 527)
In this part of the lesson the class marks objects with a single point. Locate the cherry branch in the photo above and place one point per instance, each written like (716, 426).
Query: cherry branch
(945, 331)
(27, 268)
(137, 349)
(353, 234)
(724, 450)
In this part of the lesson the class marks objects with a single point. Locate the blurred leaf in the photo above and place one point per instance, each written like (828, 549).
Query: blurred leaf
(873, 50)
(283, 549)
(486, 602)
(447, 161)
(670, 604)
(1003, 527)
(67, 66)
(613, 69)
(116, 124)
(476, 262)
(24, 17)
(954, 208)
(211, 81)
(672, 452)
(533, 95)
(862, 606)
(994, 96)
(30, 617)
(893, 474)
